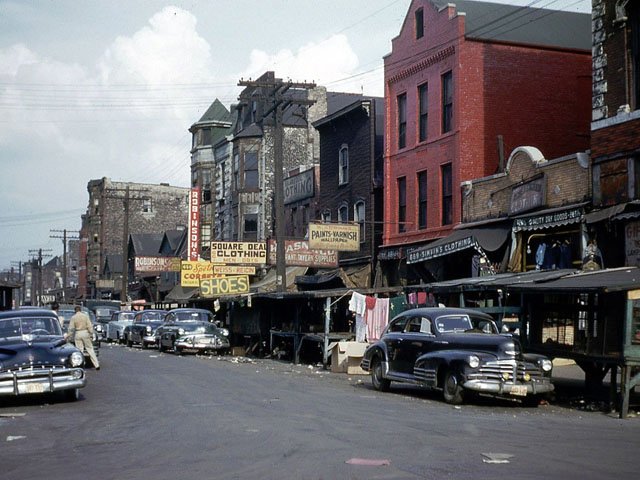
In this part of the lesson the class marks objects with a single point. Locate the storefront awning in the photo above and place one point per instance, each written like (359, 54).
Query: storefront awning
(268, 283)
(181, 294)
(615, 212)
(553, 217)
(481, 239)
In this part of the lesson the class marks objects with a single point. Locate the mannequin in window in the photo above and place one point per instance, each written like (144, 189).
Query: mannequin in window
(592, 257)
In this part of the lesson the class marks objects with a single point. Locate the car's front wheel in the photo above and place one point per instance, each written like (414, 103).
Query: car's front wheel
(377, 377)
(452, 389)
(71, 395)
(161, 347)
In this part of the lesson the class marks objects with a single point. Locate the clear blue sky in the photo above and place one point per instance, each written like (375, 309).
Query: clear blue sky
(109, 88)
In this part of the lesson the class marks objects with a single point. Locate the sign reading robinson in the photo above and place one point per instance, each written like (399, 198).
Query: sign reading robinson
(239, 252)
(157, 264)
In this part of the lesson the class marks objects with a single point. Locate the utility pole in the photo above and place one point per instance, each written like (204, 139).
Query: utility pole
(38, 263)
(64, 257)
(280, 101)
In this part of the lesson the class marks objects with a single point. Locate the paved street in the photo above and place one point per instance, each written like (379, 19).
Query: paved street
(149, 415)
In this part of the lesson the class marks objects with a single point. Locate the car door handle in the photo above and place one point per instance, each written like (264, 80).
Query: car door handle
(441, 342)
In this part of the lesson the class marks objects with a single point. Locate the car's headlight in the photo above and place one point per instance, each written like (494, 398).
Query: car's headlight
(224, 332)
(473, 361)
(546, 364)
(76, 359)
(181, 331)
(148, 329)
(98, 328)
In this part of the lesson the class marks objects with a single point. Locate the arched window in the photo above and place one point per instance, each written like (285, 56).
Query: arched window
(359, 216)
(343, 165)
(343, 214)
(326, 216)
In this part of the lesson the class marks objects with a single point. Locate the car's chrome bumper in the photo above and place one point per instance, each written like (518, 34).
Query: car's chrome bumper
(203, 343)
(534, 387)
(149, 340)
(41, 380)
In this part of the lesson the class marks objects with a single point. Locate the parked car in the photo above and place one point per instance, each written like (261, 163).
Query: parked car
(143, 329)
(103, 317)
(446, 349)
(115, 328)
(65, 313)
(175, 320)
(199, 337)
(34, 356)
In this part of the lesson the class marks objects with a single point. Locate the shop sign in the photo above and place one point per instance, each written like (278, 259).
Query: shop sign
(420, 254)
(527, 196)
(106, 283)
(632, 244)
(232, 285)
(298, 187)
(548, 220)
(156, 264)
(234, 270)
(193, 243)
(239, 252)
(390, 254)
(297, 252)
(192, 272)
(343, 237)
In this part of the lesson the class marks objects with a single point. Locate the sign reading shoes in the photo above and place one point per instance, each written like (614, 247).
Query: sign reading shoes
(232, 285)
(239, 252)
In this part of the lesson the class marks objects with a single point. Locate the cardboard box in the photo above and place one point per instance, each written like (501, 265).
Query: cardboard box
(346, 357)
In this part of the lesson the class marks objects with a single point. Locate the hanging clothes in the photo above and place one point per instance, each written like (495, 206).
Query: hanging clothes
(422, 298)
(361, 329)
(357, 303)
(397, 305)
(377, 318)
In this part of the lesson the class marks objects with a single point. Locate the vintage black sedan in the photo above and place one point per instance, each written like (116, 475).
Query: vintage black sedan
(143, 329)
(181, 321)
(200, 337)
(35, 357)
(458, 352)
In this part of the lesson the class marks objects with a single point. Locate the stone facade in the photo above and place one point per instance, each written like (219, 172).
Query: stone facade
(152, 209)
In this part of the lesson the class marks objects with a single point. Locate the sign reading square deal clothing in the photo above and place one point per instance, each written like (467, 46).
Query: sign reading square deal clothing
(343, 237)
(243, 253)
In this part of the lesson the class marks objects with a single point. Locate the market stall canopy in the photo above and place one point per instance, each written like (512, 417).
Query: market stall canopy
(268, 283)
(488, 239)
(180, 293)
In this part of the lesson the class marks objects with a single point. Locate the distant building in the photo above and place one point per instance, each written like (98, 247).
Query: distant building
(147, 209)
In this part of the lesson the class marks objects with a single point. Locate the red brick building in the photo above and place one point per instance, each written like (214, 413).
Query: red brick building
(615, 132)
(465, 83)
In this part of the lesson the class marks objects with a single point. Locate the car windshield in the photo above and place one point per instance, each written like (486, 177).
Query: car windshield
(453, 324)
(29, 328)
(148, 317)
(192, 316)
(123, 317)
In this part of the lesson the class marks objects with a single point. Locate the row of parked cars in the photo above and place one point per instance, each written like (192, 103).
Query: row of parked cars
(180, 330)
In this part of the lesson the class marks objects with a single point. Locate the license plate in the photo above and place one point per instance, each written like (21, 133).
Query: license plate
(518, 390)
(30, 388)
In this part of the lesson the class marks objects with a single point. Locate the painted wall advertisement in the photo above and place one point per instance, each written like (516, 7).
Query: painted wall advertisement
(156, 264)
(343, 237)
(298, 187)
(298, 253)
(191, 273)
(239, 253)
(632, 243)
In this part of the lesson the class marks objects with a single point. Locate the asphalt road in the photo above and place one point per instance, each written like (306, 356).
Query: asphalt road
(147, 415)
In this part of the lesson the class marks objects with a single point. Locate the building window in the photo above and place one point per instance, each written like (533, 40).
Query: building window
(419, 23)
(326, 216)
(447, 102)
(402, 120)
(236, 169)
(447, 195)
(251, 170)
(343, 167)
(423, 100)
(206, 186)
(422, 200)
(146, 205)
(251, 227)
(359, 217)
(343, 214)
(402, 204)
(205, 234)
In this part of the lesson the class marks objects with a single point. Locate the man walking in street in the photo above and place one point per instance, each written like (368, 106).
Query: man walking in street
(81, 328)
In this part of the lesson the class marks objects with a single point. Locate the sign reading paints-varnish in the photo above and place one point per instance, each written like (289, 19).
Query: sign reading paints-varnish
(343, 237)
(239, 253)
(232, 285)
(192, 272)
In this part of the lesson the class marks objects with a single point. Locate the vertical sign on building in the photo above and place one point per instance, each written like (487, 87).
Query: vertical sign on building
(194, 224)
